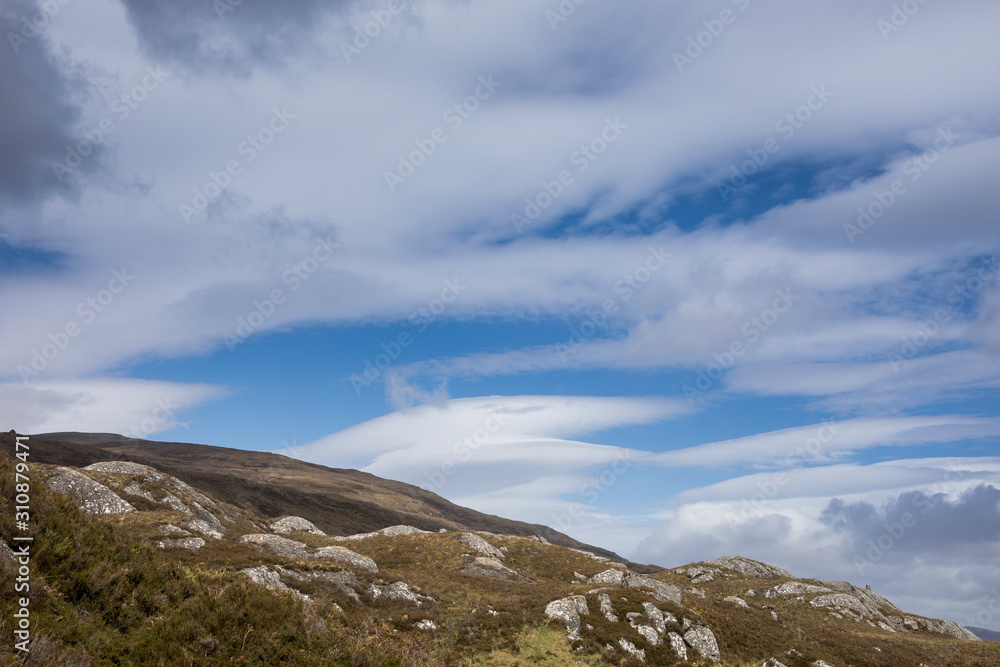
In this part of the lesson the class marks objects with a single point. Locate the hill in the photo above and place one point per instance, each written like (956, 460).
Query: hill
(340, 502)
(132, 565)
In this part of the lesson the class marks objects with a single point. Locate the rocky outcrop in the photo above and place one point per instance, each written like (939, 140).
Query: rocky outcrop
(630, 648)
(391, 531)
(480, 546)
(946, 628)
(677, 643)
(750, 568)
(346, 556)
(842, 602)
(207, 517)
(702, 640)
(615, 578)
(701, 575)
(126, 468)
(202, 527)
(661, 591)
(567, 611)
(286, 548)
(89, 495)
(263, 576)
(799, 588)
(190, 543)
(489, 567)
(286, 525)
(399, 591)
(607, 608)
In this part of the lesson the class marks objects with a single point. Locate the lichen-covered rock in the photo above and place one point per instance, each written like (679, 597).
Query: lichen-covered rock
(568, 610)
(345, 581)
(677, 643)
(191, 543)
(89, 495)
(842, 601)
(606, 608)
(393, 531)
(399, 591)
(425, 624)
(750, 568)
(610, 577)
(799, 588)
(287, 524)
(480, 546)
(739, 602)
(343, 555)
(702, 640)
(202, 527)
(661, 591)
(280, 546)
(773, 662)
(632, 649)
(126, 468)
(649, 634)
(655, 617)
(947, 628)
(489, 567)
(265, 577)
(133, 488)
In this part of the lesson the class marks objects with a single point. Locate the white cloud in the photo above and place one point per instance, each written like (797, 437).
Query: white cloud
(137, 408)
(491, 442)
(829, 441)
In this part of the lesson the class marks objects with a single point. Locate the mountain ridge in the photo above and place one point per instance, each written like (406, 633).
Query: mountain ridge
(275, 485)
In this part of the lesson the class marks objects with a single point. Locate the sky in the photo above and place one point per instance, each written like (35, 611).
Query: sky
(682, 280)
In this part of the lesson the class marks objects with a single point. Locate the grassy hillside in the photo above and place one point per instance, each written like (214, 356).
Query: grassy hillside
(104, 593)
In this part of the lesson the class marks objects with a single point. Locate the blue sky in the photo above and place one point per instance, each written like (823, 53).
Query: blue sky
(683, 281)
